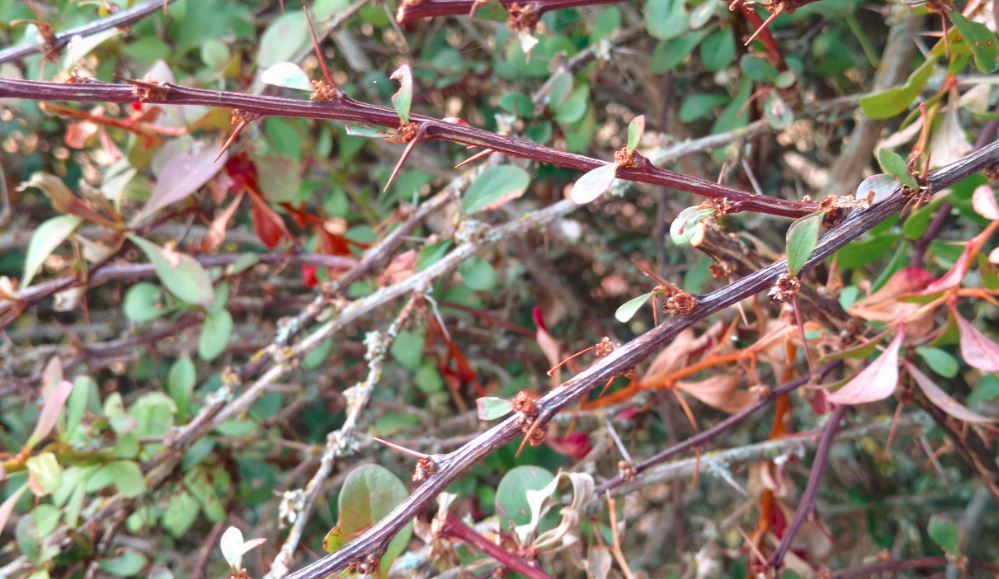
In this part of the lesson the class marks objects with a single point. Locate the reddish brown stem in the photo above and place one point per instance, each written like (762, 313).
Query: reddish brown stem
(455, 529)
(348, 110)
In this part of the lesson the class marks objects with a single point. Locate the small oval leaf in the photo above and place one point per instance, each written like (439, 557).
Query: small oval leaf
(287, 75)
(491, 408)
(802, 237)
(893, 164)
(628, 309)
(682, 230)
(877, 188)
(495, 185)
(976, 348)
(402, 100)
(593, 184)
(179, 272)
(45, 239)
(635, 129)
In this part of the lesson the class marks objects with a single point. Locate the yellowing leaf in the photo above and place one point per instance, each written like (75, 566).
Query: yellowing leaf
(44, 240)
(179, 272)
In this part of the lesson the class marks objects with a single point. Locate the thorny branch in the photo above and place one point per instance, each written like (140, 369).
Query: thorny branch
(351, 111)
(451, 465)
(120, 18)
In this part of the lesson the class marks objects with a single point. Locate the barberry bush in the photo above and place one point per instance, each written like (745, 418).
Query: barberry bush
(552, 288)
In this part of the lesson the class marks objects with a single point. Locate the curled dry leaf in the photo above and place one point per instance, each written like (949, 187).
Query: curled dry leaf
(216, 231)
(956, 274)
(977, 349)
(885, 305)
(719, 392)
(875, 382)
(942, 400)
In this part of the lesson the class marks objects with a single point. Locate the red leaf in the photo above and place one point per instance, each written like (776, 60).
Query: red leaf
(942, 400)
(576, 445)
(719, 392)
(267, 224)
(309, 275)
(243, 172)
(976, 348)
(956, 273)
(875, 382)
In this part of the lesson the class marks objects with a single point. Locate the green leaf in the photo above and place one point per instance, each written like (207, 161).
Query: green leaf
(802, 237)
(284, 37)
(180, 273)
(215, 334)
(593, 184)
(127, 477)
(605, 24)
(144, 302)
(697, 106)
(407, 349)
(666, 19)
(980, 39)
(180, 513)
(517, 103)
(369, 493)
(126, 564)
(628, 309)
(635, 129)
(511, 494)
(940, 361)
(428, 378)
(76, 406)
(718, 50)
(180, 383)
(45, 472)
(944, 533)
(368, 132)
(287, 75)
(893, 164)
(758, 69)
(44, 240)
(491, 408)
(986, 390)
(432, 253)
(669, 53)
(495, 186)
(888, 103)
(402, 100)
(682, 230)
(477, 274)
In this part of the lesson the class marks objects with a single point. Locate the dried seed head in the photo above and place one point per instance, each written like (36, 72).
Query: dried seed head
(425, 467)
(627, 471)
(522, 18)
(322, 91)
(787, 287)
(537, 436)
(720, 270)
(526, 403)
(604, 347)
(680, 302)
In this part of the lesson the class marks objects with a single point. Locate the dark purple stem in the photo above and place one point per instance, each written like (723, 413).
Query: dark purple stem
(807, 504)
